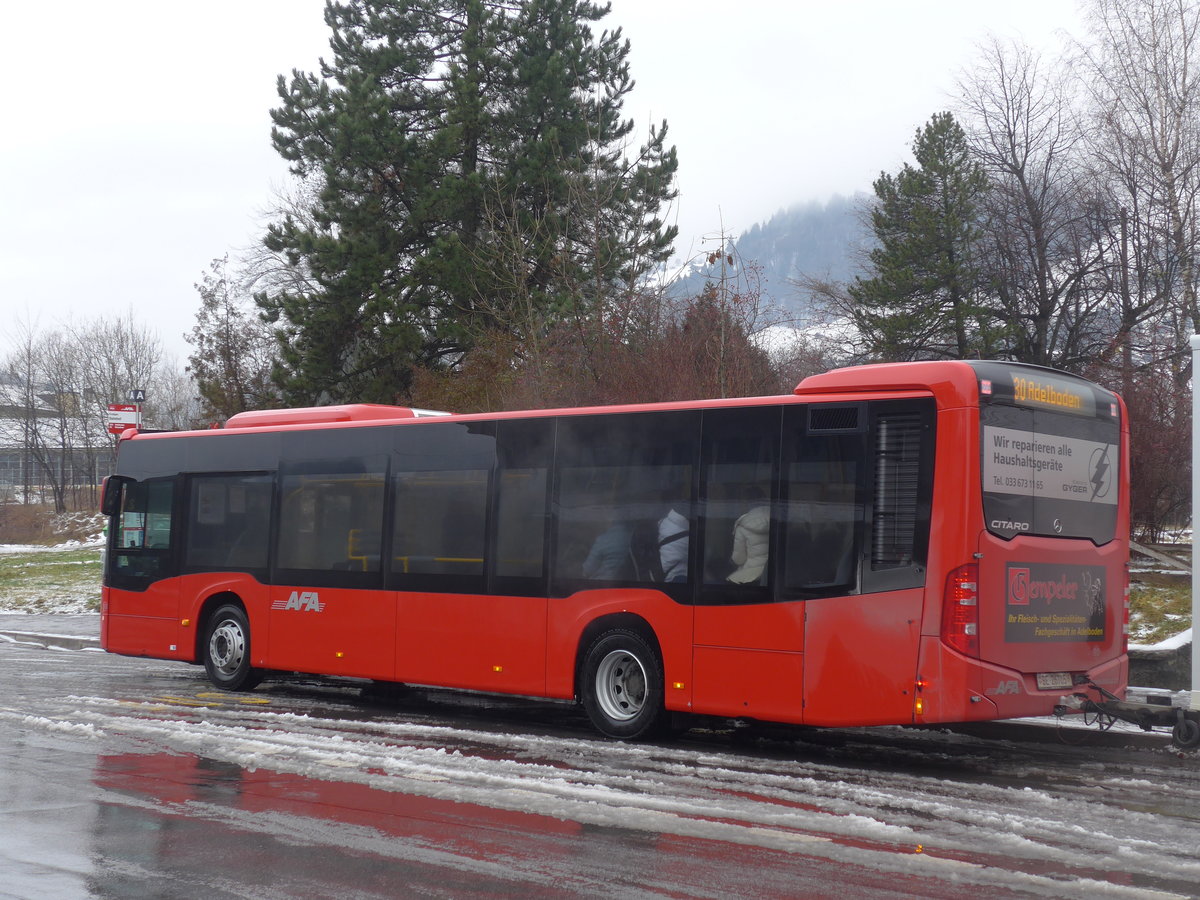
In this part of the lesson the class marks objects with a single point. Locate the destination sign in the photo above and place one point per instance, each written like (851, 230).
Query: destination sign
(1041, 392)
(1052, 393)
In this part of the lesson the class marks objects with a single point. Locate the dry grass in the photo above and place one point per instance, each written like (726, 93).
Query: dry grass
(37, 523)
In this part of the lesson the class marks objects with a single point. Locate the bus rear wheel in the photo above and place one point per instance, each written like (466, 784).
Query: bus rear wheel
(623, 686)
(227, 650)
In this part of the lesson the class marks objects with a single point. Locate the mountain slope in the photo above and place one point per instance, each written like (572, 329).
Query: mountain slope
(820, 240)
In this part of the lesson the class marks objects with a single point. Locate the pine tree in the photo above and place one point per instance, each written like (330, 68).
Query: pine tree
(472, 160)
(926, 297)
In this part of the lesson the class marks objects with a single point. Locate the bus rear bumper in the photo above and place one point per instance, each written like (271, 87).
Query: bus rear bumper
(956, 688)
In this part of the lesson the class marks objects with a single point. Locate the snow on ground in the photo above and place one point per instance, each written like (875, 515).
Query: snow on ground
(96, 541)
(14, 549)
(1007, 832)
(1174, 642)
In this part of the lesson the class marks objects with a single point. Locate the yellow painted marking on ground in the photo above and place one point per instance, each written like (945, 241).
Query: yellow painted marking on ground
(185, 701)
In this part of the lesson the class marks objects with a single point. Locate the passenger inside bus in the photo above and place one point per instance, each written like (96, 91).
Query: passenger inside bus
(673, 545)
(751, 545)
(611, 557)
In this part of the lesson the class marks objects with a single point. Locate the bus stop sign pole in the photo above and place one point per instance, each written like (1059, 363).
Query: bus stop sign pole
(1195, 342)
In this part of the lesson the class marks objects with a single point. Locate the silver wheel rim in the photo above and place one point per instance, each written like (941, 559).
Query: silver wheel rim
(621, 686)
(227, 647)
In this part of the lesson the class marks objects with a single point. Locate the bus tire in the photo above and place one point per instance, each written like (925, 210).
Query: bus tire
(227, 650)
(622, 686)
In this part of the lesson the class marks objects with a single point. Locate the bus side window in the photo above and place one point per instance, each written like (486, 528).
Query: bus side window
(823, 517)
(740, 458)
(823, 482)
(330, 526)
(521, 522)
(142, 550)
(229, 522)
(440, 522)
(524, 451)
(623, 502)
(146, 516)
(441, 484)
(901, 494)
(131, 530)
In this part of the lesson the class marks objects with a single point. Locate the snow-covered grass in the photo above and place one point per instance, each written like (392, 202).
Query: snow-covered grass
(1160, 605)
(64, 578)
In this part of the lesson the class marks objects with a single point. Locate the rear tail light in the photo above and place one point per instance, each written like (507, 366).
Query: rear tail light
(960, 610)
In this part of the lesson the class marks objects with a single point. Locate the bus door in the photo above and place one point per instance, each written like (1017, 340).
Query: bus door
(141, 561)
(747, 649)
(858, 482)
(1051, 566)
(450, 480)
(451, 631)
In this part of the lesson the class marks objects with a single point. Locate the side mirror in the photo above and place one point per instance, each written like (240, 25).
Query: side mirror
(110, 494)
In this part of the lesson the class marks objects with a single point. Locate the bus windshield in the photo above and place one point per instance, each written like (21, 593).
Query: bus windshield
(1050, 447)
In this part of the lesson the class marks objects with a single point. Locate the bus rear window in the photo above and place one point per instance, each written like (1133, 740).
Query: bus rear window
(1049, 473)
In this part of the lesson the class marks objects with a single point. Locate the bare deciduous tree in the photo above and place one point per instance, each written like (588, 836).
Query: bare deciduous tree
(58, 385)
(1140, 76)
(234, 347)
(1042, 220)
(1143, 84)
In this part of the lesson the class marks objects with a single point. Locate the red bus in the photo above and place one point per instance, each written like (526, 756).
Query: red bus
(903, 543)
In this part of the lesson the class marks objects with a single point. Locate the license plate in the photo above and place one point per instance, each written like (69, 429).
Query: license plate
(1053, 681)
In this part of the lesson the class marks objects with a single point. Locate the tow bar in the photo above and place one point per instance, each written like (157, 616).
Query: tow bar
(1155, 712)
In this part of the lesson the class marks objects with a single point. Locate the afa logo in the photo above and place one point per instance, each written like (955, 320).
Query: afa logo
(1004, 688)
(306, 601)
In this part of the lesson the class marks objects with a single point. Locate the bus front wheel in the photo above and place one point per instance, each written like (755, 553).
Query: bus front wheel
(623, 686)
(227, 651)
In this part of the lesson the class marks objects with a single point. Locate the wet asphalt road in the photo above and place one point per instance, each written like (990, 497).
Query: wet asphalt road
(133, 778)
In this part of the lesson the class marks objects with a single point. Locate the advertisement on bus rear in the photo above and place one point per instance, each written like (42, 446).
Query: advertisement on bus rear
(1047, 602)
(1048, 466)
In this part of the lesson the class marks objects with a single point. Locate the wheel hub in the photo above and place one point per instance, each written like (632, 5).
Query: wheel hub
(621, 685)
(227, 647)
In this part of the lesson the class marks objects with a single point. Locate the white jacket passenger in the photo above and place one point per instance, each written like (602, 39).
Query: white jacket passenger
(751, 545)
